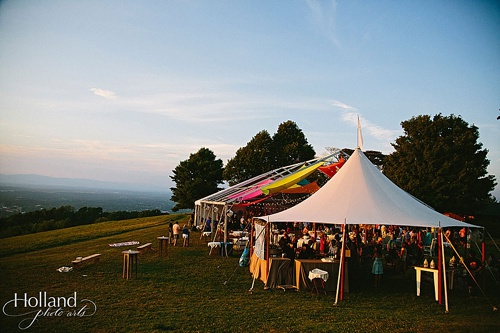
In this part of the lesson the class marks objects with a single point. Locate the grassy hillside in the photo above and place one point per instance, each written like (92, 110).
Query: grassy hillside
(189, 291)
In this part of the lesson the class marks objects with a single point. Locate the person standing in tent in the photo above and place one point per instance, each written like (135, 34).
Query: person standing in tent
(284, 241)
(403, 256)
(323, 243)
(377, 267)
(428, 238)
(463, 237)
(208, 224)
(391, 247)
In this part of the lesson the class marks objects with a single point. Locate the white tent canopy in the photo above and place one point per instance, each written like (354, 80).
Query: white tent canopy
(360, 194)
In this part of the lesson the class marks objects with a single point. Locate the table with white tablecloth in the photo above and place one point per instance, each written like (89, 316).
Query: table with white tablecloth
(304, 266)
(318, 275)
(239, 243)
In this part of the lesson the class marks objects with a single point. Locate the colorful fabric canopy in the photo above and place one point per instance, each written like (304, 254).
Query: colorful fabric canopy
(290, 180)
(331, 169)
(309, 188)
(253, 192)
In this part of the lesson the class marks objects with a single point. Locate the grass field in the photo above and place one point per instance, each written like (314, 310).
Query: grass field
(189, 291)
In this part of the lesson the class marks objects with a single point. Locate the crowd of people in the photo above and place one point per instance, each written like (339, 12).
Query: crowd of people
(371, 249)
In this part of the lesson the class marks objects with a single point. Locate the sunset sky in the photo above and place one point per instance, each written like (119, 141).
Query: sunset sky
(123, 91)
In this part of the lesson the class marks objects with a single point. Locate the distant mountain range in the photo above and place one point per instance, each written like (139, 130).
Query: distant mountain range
(25, 193)
(32, 180)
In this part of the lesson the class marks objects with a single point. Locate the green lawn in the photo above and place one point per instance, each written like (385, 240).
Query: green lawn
(192, 292)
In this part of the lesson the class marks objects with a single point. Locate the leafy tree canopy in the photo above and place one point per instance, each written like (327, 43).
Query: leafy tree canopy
(251, 160)
(440, 161)
(263, 153)
(196, 178)
(290, 145)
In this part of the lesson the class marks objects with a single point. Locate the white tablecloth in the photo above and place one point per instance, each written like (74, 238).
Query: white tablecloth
(240, 240)
(302, 241)
(318, 274)
(214, 244)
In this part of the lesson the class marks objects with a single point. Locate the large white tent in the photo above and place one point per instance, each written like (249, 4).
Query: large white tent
(361, 194)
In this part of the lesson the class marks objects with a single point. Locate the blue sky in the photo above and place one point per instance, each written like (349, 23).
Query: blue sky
(124, 90)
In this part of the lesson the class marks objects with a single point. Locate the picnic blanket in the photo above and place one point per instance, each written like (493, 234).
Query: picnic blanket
(124, 244)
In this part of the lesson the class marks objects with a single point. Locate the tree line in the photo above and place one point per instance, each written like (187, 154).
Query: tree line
(63, 217)
(438, 160)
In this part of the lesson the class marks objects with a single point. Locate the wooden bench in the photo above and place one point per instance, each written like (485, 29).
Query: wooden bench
(86, 260)
(145, 247)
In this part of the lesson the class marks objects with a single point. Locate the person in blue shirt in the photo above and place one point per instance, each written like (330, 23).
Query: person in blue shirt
(185, 235)
(208, 224)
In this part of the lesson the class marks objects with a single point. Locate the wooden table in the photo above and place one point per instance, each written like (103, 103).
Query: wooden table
(129, 263)
(162, 245)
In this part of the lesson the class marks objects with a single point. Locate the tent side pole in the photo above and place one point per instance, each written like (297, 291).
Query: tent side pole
(340, 271)
(342, 274)
(267, 239)
(440, 268)
(250, 237)
(224, 211)
(196, 215)
(444, 272)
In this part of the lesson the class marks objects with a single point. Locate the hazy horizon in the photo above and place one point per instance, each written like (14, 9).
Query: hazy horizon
(41, 180)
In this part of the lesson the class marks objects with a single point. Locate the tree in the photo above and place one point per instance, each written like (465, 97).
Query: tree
(263, 153)
(290, 145)
(440, 161)
(251, 160)
(196, 178)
